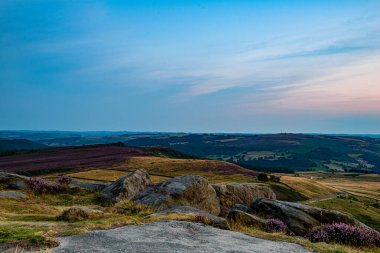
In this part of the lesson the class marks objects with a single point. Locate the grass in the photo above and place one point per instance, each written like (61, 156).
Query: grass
(309, 188)
(359, 187)
(315, 184)
(285, 192)
(33, 222)
(11, 234)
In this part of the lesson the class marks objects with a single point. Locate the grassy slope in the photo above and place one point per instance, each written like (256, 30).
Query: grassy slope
(215, 171)
(358, 187)
(308, 187)
(359, 209)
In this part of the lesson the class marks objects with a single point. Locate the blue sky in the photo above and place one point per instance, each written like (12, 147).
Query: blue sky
(194, 66)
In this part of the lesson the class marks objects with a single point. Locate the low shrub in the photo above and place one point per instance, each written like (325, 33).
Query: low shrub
(275, 225)
(346, 234)
(64, 180)
(39, 185)
(262, 177)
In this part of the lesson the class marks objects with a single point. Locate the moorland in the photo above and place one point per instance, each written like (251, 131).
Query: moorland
(32, 220)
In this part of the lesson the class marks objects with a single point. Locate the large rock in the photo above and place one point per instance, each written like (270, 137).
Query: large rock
(243, 218)
(171, 236)
(13, 181)
(127, 187)
(192, 191)
(212, 220)
(231, 194)
(300, 218)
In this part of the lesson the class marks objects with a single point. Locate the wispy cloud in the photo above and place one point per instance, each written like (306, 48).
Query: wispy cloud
(353, 88)
(261, 60)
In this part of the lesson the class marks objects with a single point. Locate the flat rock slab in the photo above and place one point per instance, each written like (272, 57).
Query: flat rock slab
(171, 236)
(13, 195)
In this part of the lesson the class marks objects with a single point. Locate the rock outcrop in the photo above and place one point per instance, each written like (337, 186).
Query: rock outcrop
(212, 220)
(244, 218)
(94, 187)
(192, 191)
(13, 195)
(231, 194)
(240, 207)
(127, 187)
(171, 236)
(13, 181)
(299, 218)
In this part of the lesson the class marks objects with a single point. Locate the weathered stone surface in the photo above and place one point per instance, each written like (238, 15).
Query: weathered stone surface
(78, 213)
(171, 236)
(13, 195)
(240, 207)
(126, 188)
(192, 191)
(231, 194)
(214, 221)
(13, 181)
(95, 187)
(300, 218)
(244, 218)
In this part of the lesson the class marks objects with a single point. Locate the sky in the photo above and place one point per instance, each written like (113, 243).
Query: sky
(191, 66)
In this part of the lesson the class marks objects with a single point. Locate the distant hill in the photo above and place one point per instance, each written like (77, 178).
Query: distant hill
(266, 152)
(19, 144)
(160, 161)
(276, 152)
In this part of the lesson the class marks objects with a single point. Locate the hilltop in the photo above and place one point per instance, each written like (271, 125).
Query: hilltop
(107, 162)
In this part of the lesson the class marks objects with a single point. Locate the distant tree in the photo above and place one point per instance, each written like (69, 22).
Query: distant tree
(230, 160)
(262, 177)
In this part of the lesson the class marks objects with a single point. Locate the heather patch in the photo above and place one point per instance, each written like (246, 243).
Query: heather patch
(275, 225)
(346, 234)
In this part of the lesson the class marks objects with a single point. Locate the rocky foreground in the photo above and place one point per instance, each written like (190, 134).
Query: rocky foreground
(220, 206)
(171, 236)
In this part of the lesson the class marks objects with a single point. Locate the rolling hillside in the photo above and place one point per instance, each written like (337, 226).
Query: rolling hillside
(277, 152)
(105, 158)
(266, 152)
(19, 144)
